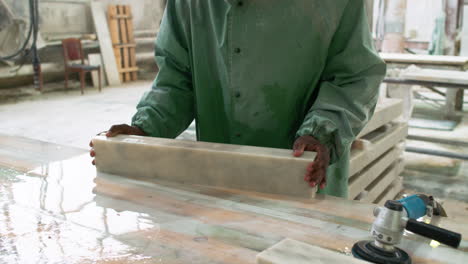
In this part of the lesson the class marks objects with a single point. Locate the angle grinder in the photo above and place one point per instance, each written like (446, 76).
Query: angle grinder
(387, 231)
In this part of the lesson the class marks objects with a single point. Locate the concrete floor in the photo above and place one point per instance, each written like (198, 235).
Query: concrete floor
(69, 118)
(438, 176)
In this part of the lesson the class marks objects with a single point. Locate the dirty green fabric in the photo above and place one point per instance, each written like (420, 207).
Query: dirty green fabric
(264, 72)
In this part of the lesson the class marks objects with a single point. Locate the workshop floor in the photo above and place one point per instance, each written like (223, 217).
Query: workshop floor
(69, 118)
(440, 176)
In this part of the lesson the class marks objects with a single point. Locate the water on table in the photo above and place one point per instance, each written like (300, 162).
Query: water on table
(49, 215)
(61, 212)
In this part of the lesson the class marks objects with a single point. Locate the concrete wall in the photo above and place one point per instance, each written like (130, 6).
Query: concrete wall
(62, 18)
(420, 18)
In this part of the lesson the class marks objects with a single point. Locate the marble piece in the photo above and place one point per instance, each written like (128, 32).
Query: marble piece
(379, 185)
(16, 152)
(386, 111)
(358, 182)
(391, 192)
(442, 76)
(378, 145)
(105, 43)
(424, 59)
(264, 170)
(295, 252)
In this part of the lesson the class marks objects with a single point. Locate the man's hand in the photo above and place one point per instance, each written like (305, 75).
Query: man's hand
(115, 130)
(316, 174)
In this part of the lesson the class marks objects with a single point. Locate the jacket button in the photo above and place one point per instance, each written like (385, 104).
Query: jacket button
(237, 94)
(237, 50)
(238, 135)
(240, 3)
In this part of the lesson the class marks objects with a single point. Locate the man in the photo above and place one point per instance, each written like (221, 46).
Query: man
(270, 73)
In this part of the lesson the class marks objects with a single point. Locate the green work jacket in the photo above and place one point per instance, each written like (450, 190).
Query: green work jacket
(263, 72)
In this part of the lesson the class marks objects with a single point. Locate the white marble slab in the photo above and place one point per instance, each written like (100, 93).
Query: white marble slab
(105, 43)
(378, 186)
(387, 110)
(444, 76)
(378, 145)
(424, 59)
(290, 251)
(358, 182)
(264, 170)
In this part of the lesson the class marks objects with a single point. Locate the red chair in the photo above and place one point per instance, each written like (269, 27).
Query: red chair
(72, 52)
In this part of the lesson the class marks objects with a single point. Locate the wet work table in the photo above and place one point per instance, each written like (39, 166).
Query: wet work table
(56, 208)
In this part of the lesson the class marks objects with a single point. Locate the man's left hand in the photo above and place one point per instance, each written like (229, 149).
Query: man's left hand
(316, 174)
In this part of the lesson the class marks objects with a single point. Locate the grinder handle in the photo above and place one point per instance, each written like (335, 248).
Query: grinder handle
(441, 235)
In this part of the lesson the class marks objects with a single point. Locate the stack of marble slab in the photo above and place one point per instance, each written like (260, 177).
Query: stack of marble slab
(376, 156)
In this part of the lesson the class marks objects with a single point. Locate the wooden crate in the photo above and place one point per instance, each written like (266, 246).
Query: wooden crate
(123, 41)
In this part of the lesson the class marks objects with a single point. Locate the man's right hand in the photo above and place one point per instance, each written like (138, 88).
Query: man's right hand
(115, 130)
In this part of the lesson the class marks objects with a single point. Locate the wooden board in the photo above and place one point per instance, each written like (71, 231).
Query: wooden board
(442, 76)
(115, 37)
(105, 43)
(66, 212)
(295, 252)
(123, 40)
(379, 143)
(95, 59)
(131, 39)
(121, 30)
(358, 182)
(424, 59)
(386, 111)
(242, 167)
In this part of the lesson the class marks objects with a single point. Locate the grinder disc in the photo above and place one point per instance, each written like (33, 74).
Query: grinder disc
(366, 250)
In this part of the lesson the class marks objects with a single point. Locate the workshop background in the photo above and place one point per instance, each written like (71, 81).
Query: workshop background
(421, 118)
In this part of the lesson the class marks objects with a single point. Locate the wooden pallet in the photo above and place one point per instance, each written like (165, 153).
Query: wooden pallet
(105, 44)
(123, 42)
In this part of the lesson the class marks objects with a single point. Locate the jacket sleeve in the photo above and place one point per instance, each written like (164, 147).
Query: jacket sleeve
(348, 90)
(168, 108)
